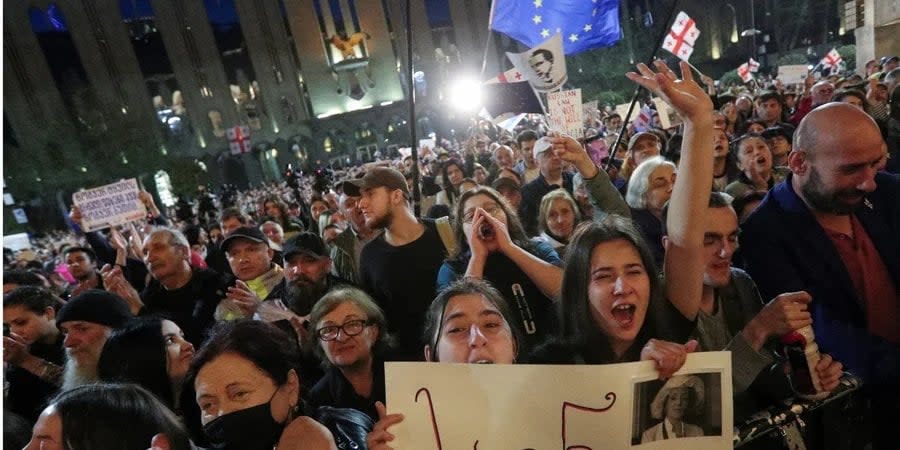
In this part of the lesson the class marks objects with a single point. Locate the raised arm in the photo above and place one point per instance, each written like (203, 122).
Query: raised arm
(687, 208)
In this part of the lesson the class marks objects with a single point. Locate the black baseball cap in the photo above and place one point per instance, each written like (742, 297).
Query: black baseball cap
(779, 130)
(305, 243)
(248, 233)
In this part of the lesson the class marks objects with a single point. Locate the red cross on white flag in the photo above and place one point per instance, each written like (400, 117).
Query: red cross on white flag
(238, 139)
(510, 76)
(744, 72)
(681, 38)
(754, 65)
(832, 59)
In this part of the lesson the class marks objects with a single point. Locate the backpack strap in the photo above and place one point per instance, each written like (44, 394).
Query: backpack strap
(446, 232)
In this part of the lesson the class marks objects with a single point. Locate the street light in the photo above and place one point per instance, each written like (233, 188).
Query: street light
(734, 32)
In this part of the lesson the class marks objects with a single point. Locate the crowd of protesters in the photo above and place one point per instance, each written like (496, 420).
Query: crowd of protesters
(265, 321)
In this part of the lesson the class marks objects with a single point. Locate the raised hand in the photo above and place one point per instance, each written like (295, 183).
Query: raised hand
(685, 95)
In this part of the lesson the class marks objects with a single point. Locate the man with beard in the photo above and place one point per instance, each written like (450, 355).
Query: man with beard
(82, 264)
(86, 321)
(734, 318)
(349, 244)
(399, 268)
(832, 229)
(307, 270)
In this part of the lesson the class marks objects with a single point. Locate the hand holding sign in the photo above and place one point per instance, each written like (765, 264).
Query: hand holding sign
(379, 437)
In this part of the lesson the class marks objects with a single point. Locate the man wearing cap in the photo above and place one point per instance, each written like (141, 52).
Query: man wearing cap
(551, 177)
(349, 244)
(258, 278)
(399, 268)
(779, 139)
(307, 268)
(641, 147)
(603, 195)
(86, 321)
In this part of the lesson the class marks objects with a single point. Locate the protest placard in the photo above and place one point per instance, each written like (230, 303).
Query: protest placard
(668, 118)
(108, 205)
(565, 112)
(514, 407)
(794, 74)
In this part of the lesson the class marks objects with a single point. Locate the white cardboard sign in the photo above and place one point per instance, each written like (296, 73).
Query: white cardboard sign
(109, 205)
(542, 407)
(794, 74)
(668, 118)
(566, 112)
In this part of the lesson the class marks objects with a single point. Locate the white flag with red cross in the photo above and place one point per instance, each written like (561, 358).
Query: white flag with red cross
(510, 76)
(832, 59)
(681, 37)
(744, 72)
(754, 65)
(238, 139)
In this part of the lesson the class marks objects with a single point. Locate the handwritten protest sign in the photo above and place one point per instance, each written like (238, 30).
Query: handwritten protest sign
(108, 205)
(794, 74)
(565, 112)
(515, 407)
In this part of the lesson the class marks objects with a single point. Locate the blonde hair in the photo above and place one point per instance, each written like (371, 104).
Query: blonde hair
(547, 203)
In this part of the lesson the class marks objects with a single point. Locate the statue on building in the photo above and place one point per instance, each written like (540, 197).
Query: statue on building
(347, 45)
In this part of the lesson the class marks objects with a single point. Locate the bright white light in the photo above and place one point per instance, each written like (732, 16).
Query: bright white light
(388, 103)
(465, 95)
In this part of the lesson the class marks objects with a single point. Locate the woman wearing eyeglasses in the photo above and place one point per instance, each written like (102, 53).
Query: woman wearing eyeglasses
(351, 340)
(492, 246)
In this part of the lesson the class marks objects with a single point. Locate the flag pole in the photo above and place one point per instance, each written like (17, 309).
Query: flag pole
(487, 42)
(637, 90)
(413, 143)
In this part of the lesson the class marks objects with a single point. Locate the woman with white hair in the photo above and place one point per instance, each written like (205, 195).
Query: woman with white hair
(681, 396)
(649, 188)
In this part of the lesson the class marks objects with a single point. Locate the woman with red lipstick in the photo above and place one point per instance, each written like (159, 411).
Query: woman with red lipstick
(614, 307)
(152, 352)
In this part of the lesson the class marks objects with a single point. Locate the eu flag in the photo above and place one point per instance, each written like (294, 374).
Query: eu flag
(584, 24)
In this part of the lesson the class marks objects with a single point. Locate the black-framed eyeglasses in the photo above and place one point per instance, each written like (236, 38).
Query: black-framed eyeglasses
(349, 328)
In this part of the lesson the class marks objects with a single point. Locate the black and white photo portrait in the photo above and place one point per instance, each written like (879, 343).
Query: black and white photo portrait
(684, 406)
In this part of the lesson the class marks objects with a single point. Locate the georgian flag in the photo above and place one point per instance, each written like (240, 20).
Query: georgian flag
(643, 119)
(832, 59)
(754, 65)
(743, 71)
(510, 76)
(682, 36)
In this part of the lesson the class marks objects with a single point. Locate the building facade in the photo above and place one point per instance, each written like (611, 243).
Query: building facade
(243, 87)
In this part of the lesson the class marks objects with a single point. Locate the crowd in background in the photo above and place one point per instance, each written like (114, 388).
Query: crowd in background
(264, 317)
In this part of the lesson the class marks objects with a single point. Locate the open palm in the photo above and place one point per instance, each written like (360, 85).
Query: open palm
(685, 95)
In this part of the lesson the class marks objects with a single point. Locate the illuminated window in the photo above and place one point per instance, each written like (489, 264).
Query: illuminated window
(327, 145)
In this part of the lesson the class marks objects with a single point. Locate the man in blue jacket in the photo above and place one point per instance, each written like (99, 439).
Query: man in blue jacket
(832, 229)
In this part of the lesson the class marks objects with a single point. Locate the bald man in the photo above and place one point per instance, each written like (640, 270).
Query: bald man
(832, 228)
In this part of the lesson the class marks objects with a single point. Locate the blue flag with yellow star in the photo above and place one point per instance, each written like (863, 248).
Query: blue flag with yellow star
(584, 24)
